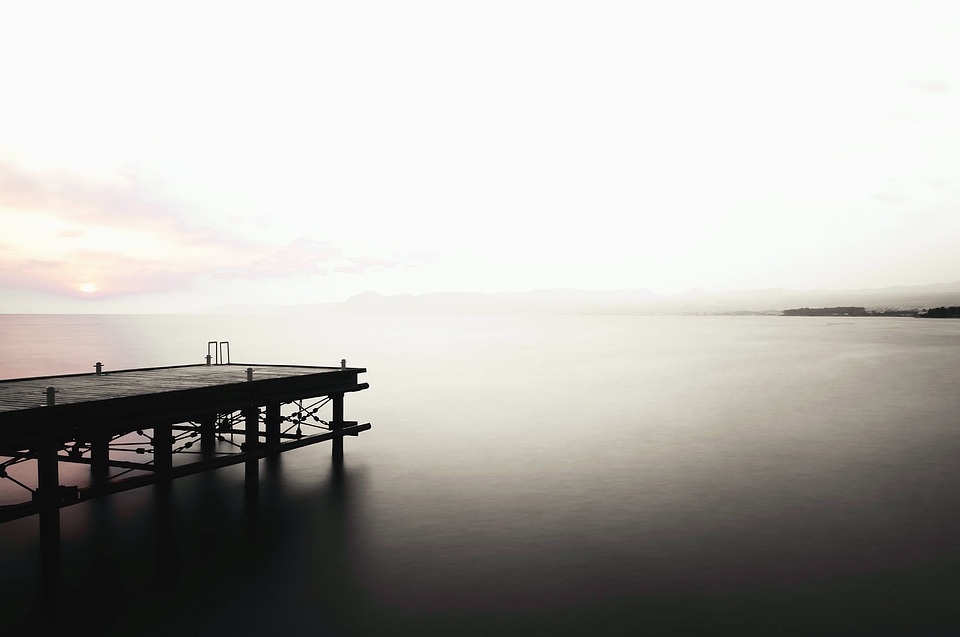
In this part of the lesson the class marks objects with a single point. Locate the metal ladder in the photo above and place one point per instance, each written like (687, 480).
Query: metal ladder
(217, 357)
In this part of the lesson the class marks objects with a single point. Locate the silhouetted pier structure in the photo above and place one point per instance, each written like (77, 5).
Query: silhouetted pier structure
(139, 426)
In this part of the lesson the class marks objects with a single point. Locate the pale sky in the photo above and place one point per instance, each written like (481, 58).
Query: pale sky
(172, 156)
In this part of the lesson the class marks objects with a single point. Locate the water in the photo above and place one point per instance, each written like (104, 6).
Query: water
(555, 475)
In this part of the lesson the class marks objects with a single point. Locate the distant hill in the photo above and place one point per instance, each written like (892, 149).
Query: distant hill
(641, 301)
(536, 301)
(638, 301)
(233, 309)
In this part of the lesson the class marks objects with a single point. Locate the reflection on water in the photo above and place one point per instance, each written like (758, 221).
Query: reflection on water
(200, 550)
(544, 475)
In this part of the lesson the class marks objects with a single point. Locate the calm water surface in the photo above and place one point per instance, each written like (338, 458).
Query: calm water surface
(536, 475)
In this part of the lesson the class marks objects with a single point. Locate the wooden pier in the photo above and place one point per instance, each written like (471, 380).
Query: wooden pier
(141, 426)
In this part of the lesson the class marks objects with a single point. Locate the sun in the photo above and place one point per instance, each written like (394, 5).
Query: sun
(89, 288)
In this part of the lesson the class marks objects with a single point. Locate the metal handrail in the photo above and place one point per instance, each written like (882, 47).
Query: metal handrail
(217, 357)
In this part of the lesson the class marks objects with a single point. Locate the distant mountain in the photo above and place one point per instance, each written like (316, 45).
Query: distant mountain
(639, 301)
(536, 301)
(642, 301)
(232, 309)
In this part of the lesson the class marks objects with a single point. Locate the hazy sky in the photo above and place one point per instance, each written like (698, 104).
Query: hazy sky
(179, 155)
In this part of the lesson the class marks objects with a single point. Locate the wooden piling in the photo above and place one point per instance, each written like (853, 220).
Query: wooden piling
(163, 447)
(336, 425)
(208, 433)
(273, 422)
(48, 497)
(100, 457)
(251, 443)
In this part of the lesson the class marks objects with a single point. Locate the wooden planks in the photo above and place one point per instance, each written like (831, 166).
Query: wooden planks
(30, 393)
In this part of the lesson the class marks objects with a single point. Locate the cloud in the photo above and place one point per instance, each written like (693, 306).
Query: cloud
(243, 259)
(81, 200)
(66, 233)
(927, 84)
(362, 265)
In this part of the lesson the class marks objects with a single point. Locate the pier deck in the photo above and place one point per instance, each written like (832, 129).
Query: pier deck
(29, 393)
(156, 415)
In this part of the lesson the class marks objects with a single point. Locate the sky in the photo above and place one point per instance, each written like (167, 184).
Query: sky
(174, 156)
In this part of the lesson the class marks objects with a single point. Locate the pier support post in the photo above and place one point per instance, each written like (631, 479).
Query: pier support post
(208, 433)
(251, 442)
(163, 447)
(336, 424)
(273, 420)
(48, 490)
(48, 497)
(100, 457)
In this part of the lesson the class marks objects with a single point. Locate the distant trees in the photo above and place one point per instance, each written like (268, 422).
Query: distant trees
(941, 312)
(852, 311)
(827, 311)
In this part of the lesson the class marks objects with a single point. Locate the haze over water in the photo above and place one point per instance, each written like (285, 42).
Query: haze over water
(537, 475)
